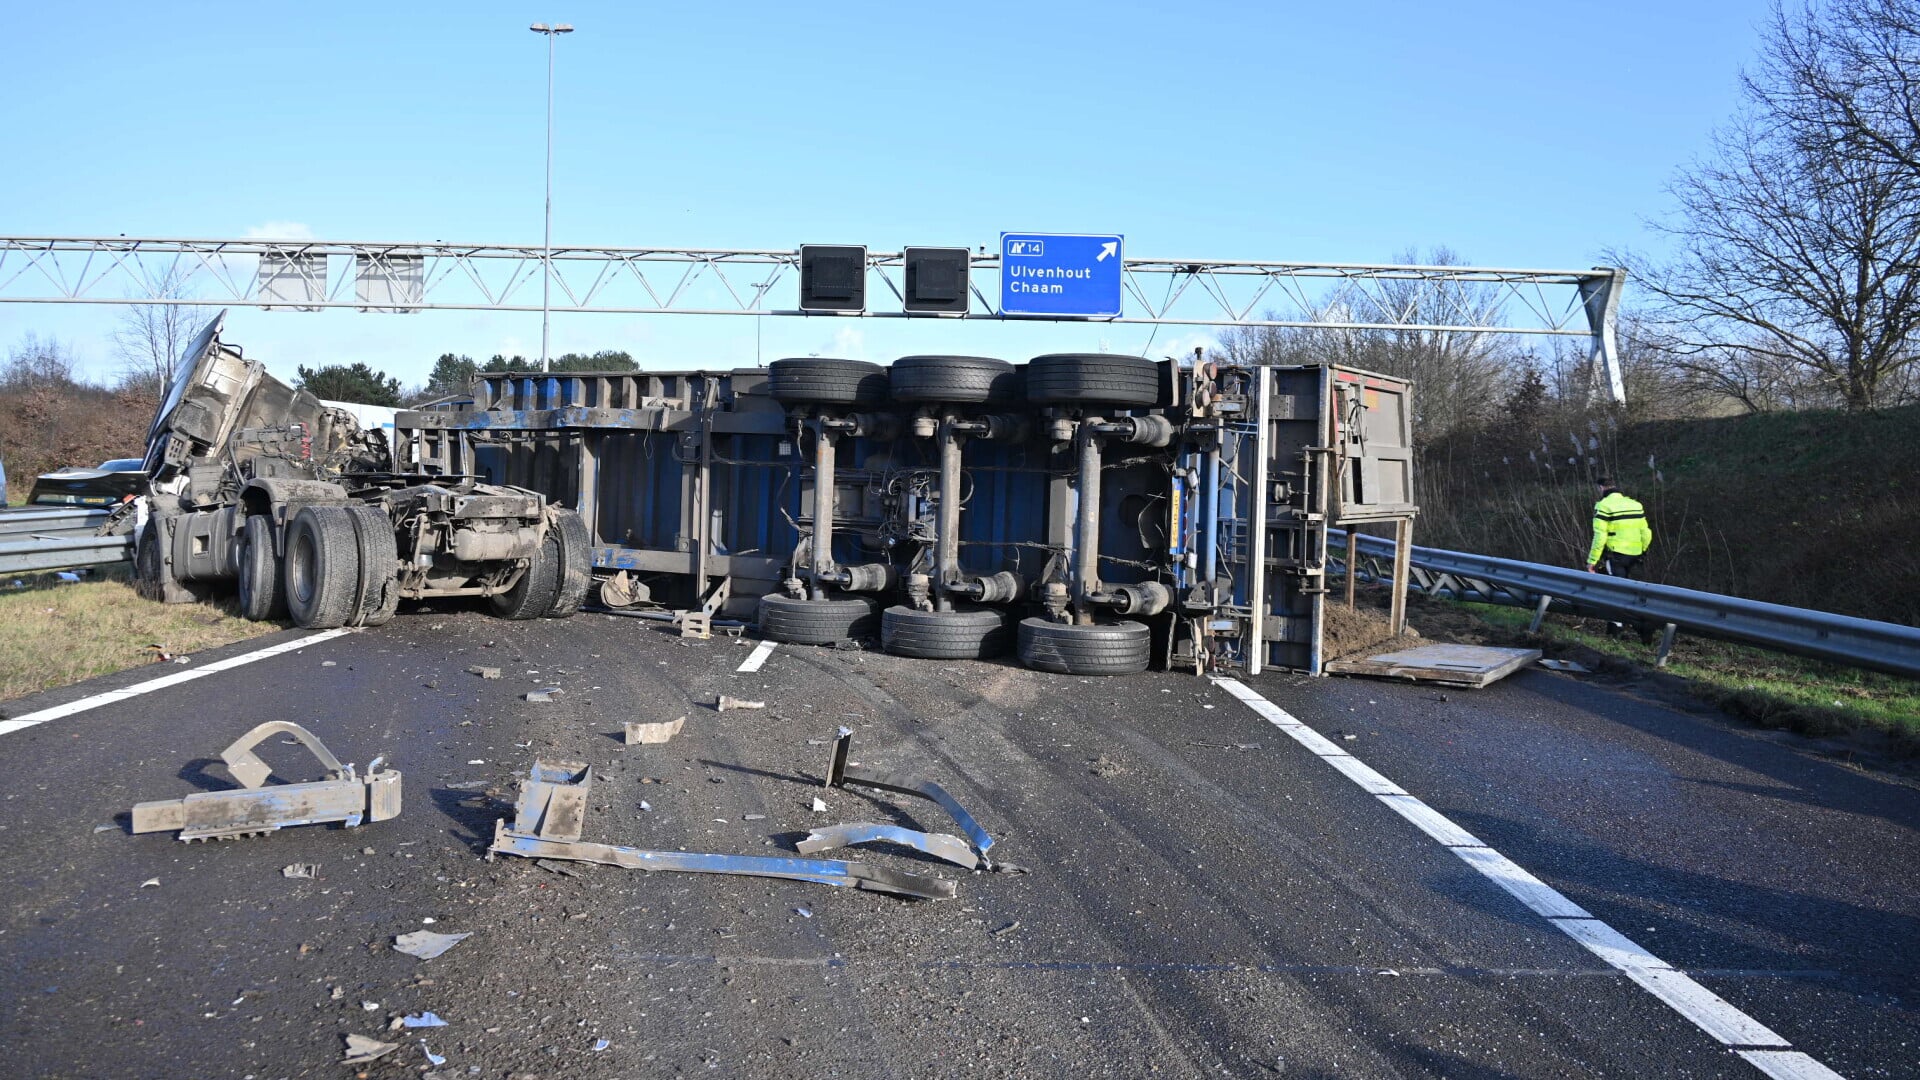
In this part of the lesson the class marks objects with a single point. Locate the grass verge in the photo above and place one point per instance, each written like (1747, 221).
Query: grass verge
(1771, 689)
(54, 634)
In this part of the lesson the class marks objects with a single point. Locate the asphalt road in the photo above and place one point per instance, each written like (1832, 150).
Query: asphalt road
(1205, 896)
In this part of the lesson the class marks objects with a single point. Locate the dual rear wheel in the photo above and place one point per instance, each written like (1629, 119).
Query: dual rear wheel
(341, 567)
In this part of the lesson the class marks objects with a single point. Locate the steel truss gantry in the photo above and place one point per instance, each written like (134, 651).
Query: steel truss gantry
(311, 275)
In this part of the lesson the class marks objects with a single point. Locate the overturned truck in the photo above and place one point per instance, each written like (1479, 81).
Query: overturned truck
(311, 516)
(1093, 513)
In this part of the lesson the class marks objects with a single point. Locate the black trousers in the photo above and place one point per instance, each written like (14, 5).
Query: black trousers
(1614, 564)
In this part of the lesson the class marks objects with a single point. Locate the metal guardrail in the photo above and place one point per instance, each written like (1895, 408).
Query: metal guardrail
(1882, 646)
(51, 520)
(25, 554)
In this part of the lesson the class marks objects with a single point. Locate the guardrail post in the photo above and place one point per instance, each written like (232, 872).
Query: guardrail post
(1666, 645)
(1352, 570)
(1402, 568)
(1539, 613)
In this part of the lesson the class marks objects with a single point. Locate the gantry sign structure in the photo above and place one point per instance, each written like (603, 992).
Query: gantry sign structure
(816, 280)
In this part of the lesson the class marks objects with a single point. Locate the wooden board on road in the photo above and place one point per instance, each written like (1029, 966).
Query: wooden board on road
(1450, 665)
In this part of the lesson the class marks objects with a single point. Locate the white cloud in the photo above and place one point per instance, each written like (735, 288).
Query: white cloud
(1182, 346)
(280, 230)
(849, 343)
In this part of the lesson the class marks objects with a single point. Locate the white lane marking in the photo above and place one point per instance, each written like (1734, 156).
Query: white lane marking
(1430, 821)
(1709, 1011)
(1543, 898)
(1788, 1065)
(1610, 945)
(8, 727)
(758, 657)
(1360, 773)
(1705, 1009)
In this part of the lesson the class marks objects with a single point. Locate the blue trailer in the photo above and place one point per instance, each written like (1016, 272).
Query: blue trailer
(1092, 513)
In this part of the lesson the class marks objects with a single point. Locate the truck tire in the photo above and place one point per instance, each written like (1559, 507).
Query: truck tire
(377, 597)
(960, 634)
(1112, 648)
(322, 567)
(960, 379)
(262, 595)
(576, 564)
(817, 622)
(826, 381)
(1093, 379)
(153, 578)
(537, 589)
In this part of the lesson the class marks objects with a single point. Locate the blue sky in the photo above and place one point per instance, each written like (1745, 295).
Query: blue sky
(1517, 134)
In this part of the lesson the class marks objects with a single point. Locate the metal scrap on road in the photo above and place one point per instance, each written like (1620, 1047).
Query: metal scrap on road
(255, 809)
(550, 813)
(939, 845)
(841, 772)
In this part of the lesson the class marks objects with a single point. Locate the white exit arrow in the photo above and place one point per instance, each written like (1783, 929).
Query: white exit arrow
(1111, 247)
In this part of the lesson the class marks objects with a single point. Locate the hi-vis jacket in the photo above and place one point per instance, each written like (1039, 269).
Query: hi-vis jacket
(1619, 525)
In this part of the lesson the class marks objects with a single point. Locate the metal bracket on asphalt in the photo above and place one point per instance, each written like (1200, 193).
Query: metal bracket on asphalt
(553, 800)
(552, 808)
(939, 845)
(255, 809)
(841, 772)
(821, 871)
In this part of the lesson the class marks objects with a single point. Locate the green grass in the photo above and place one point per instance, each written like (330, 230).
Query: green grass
(1769, 688)
(54, 634)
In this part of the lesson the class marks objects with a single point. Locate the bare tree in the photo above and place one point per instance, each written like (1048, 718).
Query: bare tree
(1854, 69)
(1798, 270)
(38, 364)
(151, 337)
(1460, 375)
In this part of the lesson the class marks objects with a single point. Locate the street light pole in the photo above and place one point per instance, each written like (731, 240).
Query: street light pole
(546, 259)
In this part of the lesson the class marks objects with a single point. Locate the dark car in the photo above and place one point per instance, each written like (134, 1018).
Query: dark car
(108, 485)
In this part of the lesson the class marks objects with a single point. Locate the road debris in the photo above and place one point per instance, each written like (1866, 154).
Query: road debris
(468, 785)
(804, 913)
(841, 772)
(724, 703)
(553, 800)
(255, 809)
(600, 1044)
(1007, 929)
(544, 694)
(361, 1050)
(423, 1020)
(1566, 665)
(153, 881)
(653, 733)
(819, 805)
(300, 870)
(939, 845)
(1105, 766)
(426, 944)
(432, 1058)
(549, 815)
(484, 672)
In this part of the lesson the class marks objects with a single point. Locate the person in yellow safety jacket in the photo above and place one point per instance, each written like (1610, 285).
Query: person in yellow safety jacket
(1621, 535)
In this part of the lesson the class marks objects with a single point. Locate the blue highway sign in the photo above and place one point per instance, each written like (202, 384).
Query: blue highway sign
(1066, 274)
